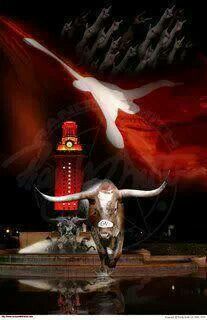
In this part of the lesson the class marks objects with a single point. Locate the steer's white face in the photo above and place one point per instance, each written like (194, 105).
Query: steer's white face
(107, 207)
(105, 197)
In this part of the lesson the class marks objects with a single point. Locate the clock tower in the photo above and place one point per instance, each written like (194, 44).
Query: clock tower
(69, 171)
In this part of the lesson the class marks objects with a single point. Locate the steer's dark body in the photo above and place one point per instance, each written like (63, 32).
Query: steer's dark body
(110, 245)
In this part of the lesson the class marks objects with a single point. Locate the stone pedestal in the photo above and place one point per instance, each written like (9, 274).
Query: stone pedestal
(145, 254)
(200, 261)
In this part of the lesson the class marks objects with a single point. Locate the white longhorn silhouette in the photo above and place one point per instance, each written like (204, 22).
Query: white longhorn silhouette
(109, 97)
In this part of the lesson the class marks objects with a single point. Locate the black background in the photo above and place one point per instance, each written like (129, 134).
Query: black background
(189, 212)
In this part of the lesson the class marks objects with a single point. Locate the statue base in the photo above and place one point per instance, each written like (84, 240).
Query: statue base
(136, 264)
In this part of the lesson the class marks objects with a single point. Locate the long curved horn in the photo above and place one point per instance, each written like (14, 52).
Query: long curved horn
(141, 193)
(68, 198)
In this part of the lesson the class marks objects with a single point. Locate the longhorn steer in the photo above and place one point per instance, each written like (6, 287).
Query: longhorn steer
(106, 216)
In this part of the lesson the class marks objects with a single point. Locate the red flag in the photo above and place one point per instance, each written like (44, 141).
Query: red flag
(169, 131)
(163, 128)
(30, 86)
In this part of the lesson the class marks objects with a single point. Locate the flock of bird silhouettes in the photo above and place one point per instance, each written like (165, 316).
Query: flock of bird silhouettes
(108, 44)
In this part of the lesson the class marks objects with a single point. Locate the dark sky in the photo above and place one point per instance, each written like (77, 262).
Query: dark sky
(51, 15)
(189, 209)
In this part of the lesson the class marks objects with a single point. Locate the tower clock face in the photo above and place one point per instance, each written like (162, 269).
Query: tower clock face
(69, 144)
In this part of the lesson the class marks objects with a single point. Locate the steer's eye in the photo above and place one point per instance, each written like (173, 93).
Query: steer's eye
(91, 201)
(95, 212)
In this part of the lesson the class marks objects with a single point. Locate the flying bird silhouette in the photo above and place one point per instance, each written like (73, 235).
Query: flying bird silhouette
(109, 97)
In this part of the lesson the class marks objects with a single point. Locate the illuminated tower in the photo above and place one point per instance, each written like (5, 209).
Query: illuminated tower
(69, 172)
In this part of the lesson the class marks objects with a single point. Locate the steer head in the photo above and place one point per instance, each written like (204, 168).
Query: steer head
(104, 200)
(103, 210)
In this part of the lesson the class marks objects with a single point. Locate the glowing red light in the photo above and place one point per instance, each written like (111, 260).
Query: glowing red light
(69, 173)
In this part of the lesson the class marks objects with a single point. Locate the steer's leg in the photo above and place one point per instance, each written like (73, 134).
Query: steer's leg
(112, 259)
(118, 250)
(101, 251)
(102, 257)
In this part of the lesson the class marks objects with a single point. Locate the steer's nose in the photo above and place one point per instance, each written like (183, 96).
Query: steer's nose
(104, 235)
